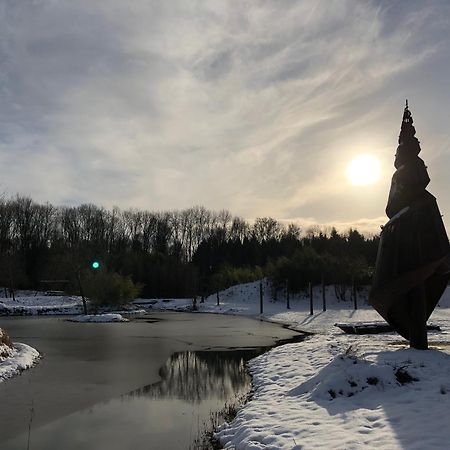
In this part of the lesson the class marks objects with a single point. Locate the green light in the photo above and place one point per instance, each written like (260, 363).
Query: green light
(95, 265)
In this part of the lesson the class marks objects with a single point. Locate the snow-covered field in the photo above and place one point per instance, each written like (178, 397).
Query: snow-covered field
(243, 299)
(335, 390)
(40, 305)
(346, 392)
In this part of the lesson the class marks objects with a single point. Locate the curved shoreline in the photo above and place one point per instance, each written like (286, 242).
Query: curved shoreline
(98, 371)
(230, 408)
(25, 357)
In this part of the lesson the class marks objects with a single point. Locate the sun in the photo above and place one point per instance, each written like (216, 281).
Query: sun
(363, 170)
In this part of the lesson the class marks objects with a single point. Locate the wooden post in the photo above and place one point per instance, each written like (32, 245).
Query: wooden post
(418, 329)
(261, 309)
(81, 292)
(355, 300)
(218, 299)
(311, 306)
(11, 283)
(324, 301)
(288, 304)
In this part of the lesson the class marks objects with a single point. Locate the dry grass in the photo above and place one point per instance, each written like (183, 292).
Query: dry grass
(5, 344)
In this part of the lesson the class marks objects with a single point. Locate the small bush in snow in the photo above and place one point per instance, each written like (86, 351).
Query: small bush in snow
(110, 289)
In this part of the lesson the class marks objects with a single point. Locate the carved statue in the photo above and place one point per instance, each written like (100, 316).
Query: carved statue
(412, 269)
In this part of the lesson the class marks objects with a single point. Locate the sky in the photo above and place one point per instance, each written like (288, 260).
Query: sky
(252, 106)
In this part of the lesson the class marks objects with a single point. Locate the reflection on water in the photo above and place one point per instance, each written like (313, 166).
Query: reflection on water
(170, 414)
(196, 376)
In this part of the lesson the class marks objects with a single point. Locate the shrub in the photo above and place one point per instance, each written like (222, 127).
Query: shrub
(306, 265)
(229, 276)
(110, 289)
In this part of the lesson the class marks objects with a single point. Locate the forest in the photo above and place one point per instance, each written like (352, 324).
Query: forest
(187, 253)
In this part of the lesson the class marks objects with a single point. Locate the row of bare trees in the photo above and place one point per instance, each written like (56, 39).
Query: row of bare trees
(25, 224)
(172, 253)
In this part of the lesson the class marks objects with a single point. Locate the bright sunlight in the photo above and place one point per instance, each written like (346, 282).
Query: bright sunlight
(363, 170)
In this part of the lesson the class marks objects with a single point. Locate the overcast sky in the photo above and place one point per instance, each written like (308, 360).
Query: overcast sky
(252, 106)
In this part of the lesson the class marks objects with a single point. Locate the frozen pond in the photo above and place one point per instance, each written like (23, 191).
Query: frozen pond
(151, 383)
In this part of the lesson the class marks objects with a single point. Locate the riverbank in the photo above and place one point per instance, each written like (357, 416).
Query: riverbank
(336, 390)
(161, 375)
(14, 357)
(26, 303)
(344, 391)
(22, 356)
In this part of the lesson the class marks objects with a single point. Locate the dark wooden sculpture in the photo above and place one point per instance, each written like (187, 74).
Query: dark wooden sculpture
(412, 269)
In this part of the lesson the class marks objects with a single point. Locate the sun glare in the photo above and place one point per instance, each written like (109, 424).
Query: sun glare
(363, 170)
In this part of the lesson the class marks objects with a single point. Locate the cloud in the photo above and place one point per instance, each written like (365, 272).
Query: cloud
(250, 106)
(368, 227)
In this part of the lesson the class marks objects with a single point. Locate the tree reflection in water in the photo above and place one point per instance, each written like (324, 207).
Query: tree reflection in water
(197, 376)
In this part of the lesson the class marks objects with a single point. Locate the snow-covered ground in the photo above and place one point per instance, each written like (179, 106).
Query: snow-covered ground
(28, 303)
(336, 390)
(14, 360)
(99, 318)
(244, 299)
(40, 305)
(345, 392)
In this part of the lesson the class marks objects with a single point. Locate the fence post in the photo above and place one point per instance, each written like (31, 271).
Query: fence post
(217, 294)
(80, 286)
(288, 304)
(355, 301)
(311, 307)
(261, 298)
(324, 300)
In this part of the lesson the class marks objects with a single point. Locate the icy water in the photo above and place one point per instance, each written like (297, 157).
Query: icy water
(149, 384)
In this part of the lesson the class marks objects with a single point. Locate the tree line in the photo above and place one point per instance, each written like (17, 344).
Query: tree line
(171, 254)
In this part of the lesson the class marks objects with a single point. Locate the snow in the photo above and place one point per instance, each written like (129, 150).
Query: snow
(41, 305)
(320, 395)
(99, 318)
(243, 299)
(28, 303)
(336, 390)
(21, 357)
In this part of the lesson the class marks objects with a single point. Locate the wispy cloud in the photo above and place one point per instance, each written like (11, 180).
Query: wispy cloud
(250, 106)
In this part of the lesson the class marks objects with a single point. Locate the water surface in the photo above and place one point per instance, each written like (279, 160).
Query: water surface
(148, 384)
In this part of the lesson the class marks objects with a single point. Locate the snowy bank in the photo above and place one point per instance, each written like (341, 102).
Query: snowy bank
(30, 304)
(99, 318)
(15, 359)
(244, 300)
(342, 391)
(41, 305)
